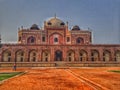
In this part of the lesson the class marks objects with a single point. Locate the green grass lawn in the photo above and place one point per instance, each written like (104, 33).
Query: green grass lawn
(6, 75)
(116, 71)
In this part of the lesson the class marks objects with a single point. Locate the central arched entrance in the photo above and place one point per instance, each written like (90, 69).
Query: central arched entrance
(58, 55)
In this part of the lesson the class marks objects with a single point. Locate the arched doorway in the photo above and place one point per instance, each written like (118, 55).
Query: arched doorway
(117, 56)
(33, 56)
(83, 55)
(45, 56)
(106, 55)
(94, 55)
(20, 56)
(70, 55)
(7, 56)
(58, 55)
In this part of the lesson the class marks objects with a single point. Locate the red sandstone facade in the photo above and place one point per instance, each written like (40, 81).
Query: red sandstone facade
(55, 42)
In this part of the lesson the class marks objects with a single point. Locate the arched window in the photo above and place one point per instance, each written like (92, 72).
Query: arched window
(45, 56)
(22, 54)
(70, 55)
(69, 58)
(46, 59)
(31, 39)
(79, 40)
(43, 39)
(34, 54)
(21, 59)
(55, 39)
(68, 39)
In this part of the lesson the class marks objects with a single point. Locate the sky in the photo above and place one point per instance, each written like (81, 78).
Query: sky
(101, 16)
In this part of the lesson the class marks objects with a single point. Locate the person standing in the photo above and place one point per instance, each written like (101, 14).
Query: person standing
(14, 67)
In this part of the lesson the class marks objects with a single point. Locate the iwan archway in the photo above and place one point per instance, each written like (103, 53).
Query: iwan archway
(58, 55)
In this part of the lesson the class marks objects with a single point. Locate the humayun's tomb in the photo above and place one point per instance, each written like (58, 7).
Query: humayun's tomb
(55, 44)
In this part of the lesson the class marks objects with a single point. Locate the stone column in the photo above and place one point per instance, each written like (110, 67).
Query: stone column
(112, 58)
(13, 59)
(76, 55)
(101, 54)
(26, 59)
(39, 55)
(52, 54)
(64, 52)
(89, 55)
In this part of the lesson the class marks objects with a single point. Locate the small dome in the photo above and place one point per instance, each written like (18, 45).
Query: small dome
(55, 22)
(35, 27)
(76, 27)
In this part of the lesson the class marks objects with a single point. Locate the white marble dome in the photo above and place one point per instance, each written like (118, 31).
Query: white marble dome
(55, 22)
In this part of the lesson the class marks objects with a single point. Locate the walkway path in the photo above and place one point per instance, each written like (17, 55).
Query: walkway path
(45, 79)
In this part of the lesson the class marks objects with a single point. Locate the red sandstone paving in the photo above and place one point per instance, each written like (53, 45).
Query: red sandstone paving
(57, 79)
(44, 79)
(101, 75)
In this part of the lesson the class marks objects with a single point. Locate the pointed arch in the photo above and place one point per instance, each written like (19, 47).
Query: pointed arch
(83, 55)
(70, 55)
(79, 40)
(6, 56)
(31, 40)
(56, 38)
(117, 56)
(94, 55)
(58, 55)
(106, 55)
(46, 56)
(33, 56)
(19, 55)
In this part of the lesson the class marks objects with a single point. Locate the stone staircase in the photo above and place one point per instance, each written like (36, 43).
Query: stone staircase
(60, 64)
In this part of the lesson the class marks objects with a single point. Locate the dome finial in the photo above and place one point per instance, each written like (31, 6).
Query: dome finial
(55, 15)
(0, 39)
